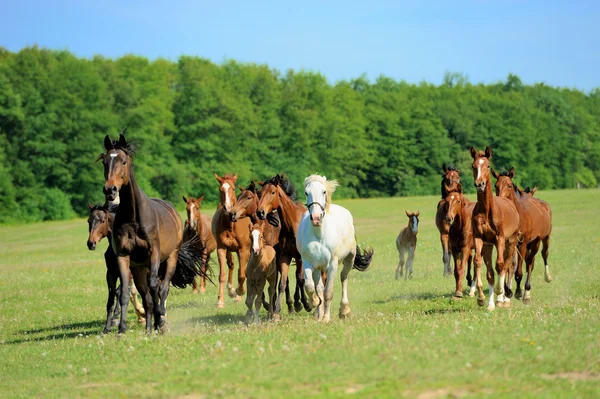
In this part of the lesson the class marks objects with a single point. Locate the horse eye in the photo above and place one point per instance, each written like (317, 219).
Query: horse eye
(249, 197)
(324, 192)
(273, 193)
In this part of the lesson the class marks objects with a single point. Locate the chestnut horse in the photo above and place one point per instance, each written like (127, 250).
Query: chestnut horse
(261, 268)
(100, 225)
(450, 181)
(279, 194)
(407, 242)
(536, 227)
(231, 237)
(146, 232)
(495, 221)
(200, 223)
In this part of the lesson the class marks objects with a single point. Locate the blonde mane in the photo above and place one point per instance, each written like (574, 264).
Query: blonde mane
(330, 186)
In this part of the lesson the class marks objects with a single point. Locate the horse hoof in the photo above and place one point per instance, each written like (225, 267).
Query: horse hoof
(202, 291)
(220, 305)
(499, 304)
(194, 291)
(345, 312)
(121, 334)
(518, 294)
(164, 329)
(275, 317)
(307, 306)
(237, 299)
(231, 292)
(298, 307)
(114, 322)
(458, 295)
(481, 301)
(106, 331)
(508, 292)
(506, 304)
(142, 320)
(491, 308)
(548, 278)
(526, 301)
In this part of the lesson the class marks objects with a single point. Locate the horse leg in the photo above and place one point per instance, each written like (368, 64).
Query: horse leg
(123, 262)
(521, 253)
(204, 266)
(272, 292)
(111, 282)
(195, 285)
(154, 285)
(243, 256)
(139, 309)
(249, 302)
(444, 238)
(530, 261)
(478, 262)
(471, 277)
(510, 252)
(140, 277)
(545, 247)
(458, 272)
(161, 323)
(231, 265)
(344, 304)
(284, 268)
(319, 310)
(222, 256)
(289, 301)
(400, 266)
(500, 270)
(409, 262)
(328, 294)
(258, 300)
(298, 304)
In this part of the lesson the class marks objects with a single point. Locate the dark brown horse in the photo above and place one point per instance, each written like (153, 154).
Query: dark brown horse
(450, 182)
(536, 227)
(278, 194)
(231, 237)
(146, 232)
(100, 225)
(495, 221)
(200, 224)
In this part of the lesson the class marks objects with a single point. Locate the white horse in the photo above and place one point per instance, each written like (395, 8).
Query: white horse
(325, 238)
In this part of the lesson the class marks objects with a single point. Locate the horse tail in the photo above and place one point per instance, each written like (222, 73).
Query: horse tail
(189, 262)
(363, 259)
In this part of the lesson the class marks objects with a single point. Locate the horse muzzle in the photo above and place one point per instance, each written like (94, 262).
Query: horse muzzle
(91, 245)
(448, 220)
(480, 187)
(110, 192)
(261, 214)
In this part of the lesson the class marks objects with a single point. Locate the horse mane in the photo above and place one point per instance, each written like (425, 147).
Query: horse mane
(504, 173)
(98, 207)
(330, 186)
(284, 182)
(228, 176)
(128, 147)
(450, 168)
(480, 154)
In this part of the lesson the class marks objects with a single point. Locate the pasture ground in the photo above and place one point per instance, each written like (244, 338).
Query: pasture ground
(405, 338)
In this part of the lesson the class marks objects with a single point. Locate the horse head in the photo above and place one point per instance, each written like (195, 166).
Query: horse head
(481, 167)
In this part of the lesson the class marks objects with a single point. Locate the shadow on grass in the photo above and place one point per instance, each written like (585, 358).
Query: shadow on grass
(218, 319)
(434, 312)
(420, 296)
(71, 326)
(58, 336)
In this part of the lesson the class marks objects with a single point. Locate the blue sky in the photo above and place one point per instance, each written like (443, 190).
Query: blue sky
(541, 41)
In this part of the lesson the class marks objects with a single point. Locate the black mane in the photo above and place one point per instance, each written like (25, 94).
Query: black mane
(286, 185)
(504, 173)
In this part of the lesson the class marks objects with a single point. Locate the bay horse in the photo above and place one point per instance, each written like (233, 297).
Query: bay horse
(99, 226)
(261, 269)
(279, 194)
(146, 232)
(325, 239)
(231, 237)
(450, 181)
(407, 242)
(495, 221)
(200, 224)
(536, 227)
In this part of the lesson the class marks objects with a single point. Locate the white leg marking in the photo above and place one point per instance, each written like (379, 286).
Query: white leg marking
(491, 304)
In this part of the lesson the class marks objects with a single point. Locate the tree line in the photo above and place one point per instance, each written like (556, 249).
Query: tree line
(193, 117)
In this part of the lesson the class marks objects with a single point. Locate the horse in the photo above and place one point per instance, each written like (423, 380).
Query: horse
(536, 227)
(147, 232)
(450, 181)
(278, 194)
(325, 239)
(200, 224)
(99, 226)
(231, 237)
(407, 242)
(495, 221)
(261, 268)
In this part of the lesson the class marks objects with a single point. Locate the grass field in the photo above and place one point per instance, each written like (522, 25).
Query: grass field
(405, 338)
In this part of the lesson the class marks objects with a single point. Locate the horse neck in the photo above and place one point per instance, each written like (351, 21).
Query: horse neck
(486, 199)
(132, 198)
(287, 211)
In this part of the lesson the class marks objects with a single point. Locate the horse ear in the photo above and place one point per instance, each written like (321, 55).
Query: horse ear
(473, 152)
(185, 199)
(488, 152)
(90, 205)
(252, 186)
(261, 183)
(418, 213)
(495, 174)
(122, 141)
(533, 190)
(235, 177)
(511, 172)
(107, 143)
(219, 179)
(200, 198)
(241, 189)
(407, 214)
(444, 168)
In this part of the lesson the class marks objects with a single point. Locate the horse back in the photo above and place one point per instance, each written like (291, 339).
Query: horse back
(538, 215)
(508, 216)
(169, 226)
(205, 232)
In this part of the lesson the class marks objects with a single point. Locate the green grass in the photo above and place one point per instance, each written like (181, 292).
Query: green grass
(405, 339)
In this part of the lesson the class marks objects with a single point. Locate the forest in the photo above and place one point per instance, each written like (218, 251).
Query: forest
(192, 117)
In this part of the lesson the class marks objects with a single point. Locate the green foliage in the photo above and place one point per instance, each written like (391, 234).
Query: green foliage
(192, 118)
(55, 205)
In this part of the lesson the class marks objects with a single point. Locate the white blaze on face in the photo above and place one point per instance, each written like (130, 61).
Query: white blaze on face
(479, 168)
(255, 241)
(226, 188)
(192, 215)
(415, 225)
